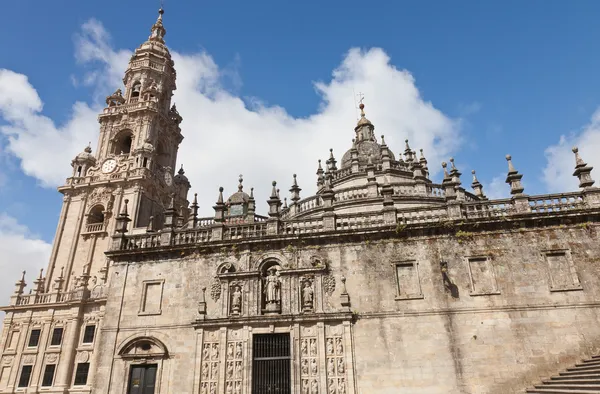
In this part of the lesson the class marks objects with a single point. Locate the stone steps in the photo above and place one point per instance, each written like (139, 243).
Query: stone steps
(583, 378)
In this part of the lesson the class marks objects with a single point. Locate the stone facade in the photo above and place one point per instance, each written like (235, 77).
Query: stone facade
(382, 282)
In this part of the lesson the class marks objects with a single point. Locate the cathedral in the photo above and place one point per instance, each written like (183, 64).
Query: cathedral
(382, 282)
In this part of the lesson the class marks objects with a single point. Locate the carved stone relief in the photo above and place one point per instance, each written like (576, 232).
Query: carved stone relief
(336, 365)
(215, 289)
(210, 364)
(307, 293)
(235, 289)
(83, 357)
(29, 359)
(7, 360)
(233, 372)
(51, 358)
(329, 284)
(309, 365)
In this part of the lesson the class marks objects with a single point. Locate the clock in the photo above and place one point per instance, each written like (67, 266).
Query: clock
(168, 178)
(109, 166)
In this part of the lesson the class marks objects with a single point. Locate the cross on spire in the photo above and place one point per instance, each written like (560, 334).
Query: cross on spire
(361, 97)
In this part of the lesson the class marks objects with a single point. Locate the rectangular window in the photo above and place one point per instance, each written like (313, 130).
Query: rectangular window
(151, 301)
(25, 376)
(88, 334)
(562, 273)
(271, 363)
(13, 338)
(408, 283)
(81, 374)
(56, 336)
(48, 375)
(4, 373)
(34, 338)
(482, 275)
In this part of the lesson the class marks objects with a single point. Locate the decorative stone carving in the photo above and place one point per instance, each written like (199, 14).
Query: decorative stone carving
(210, 365)
(51, 358)
(83, 357)
(236, 299)
(7, 360)
(336, 367)
(29, 359)
(309, 366)
(215, 289)
(234, 372)
(328, 284)
(272, 290)
(307, 294)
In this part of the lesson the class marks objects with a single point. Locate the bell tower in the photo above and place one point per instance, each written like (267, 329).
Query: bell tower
(137, 151)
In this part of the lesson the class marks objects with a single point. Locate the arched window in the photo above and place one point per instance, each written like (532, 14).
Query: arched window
(122, 143)
(136, 89)
(95, 220)
(96, 215)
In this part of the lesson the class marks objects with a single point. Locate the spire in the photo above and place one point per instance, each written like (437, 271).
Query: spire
(364, 128)
(171, 214)
(220, 207)
(423, 162)
(454, 173)
(295, 190)
(408, 154)
(331, 162)
(274, 202)
(240, 185)
(477, 187)
(122, 219)
(514, 178)
(582, 170)
(193, 219)
(158, 31)
(20, 285)
(320, 178)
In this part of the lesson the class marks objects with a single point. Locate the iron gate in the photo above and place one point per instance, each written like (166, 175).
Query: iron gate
(271, 364)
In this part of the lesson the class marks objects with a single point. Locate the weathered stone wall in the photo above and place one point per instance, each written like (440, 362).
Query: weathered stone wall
(495, 324)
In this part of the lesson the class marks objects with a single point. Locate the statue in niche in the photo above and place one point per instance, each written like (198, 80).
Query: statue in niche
(307, 295)
(238, 350)
(315, 387)
(230, 351)
(229, 389)
(236, 300)
(272, 291)
(313, 366)
(304, 348)
(329, 346)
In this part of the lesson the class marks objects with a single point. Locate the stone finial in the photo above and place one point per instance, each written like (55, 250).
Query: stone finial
(252, 192)
(383, 140)
(171, 214)
(320, 172)
(58, 282)
(446, 175)
(477, 187)
(454, 173)
(181, 171)
(285, 203)
(423, 162)
(240, 185)
(582, 171)
(150, 227)
(219, 207)
(331, 163)
(39, 283)
(158, 31)
(20, 285)
(514, 178)
(274, 201)
(344, 296)
(122, 219)
(202, 304)
(295, 190)
(408, 153)
(193, 220)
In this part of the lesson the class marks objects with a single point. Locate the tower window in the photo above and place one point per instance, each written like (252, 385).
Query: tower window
(96, 215)
(145, 162)
(34, 338)
(79, 171)
(122, 143)
(135, 89)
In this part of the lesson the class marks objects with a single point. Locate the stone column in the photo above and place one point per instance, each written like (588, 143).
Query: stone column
(67, 355)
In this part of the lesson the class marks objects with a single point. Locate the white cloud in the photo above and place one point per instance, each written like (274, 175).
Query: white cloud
(21, 251)
(497, 188)
(558, 173)
(226, 135)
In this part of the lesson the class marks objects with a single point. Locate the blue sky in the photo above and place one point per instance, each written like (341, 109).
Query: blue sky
(503, 77)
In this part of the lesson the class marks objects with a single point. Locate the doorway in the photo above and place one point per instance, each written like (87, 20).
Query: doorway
(271, 364)
(142, 379)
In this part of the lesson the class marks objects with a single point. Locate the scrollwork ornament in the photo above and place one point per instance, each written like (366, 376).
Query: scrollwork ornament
(215, 289)
(329, 284)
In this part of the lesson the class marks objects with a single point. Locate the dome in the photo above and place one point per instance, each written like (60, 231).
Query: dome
(180, 177)
(86, 155)
(239, 197)
(365, 149)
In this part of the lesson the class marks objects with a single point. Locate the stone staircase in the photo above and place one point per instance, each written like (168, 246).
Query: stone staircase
(583, 378)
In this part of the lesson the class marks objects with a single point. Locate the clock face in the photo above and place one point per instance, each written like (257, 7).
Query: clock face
(109, 166)
(168, 178)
